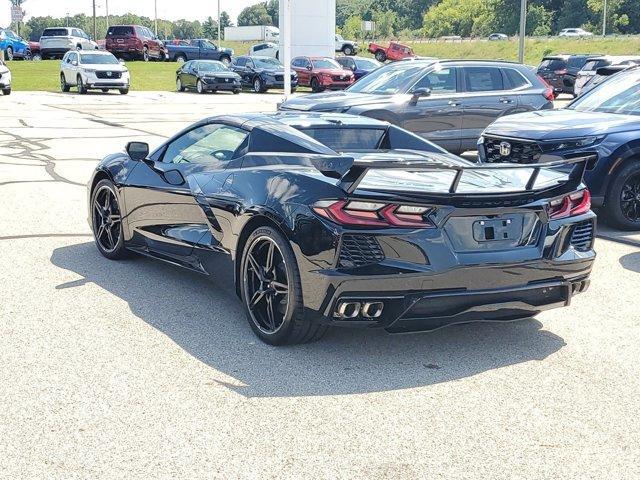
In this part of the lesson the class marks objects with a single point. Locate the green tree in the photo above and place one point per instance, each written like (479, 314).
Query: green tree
(255, 15)
(186, 29)
(210, 28)
(385, 23)
(538, 21)
(352, 28)
(273, 9)
(455, 17)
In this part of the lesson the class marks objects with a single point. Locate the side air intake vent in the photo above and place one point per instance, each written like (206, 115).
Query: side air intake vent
(359, 250)
(582, 236)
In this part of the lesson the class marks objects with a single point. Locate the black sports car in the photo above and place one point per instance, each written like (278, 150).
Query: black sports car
(332, 219)
(207, 76)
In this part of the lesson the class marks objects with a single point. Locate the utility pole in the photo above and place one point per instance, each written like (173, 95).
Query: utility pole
(155, 3)
(285, 45)
(107, 8)
(604, 20)
(219, 26)
(523, 30)
(95, 22)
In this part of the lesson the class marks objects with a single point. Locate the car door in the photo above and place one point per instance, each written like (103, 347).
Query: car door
(70, 68)
(438, 116)
(303, 71)
(485, 99)
(166, 209)
(239, 66)
(189, 77)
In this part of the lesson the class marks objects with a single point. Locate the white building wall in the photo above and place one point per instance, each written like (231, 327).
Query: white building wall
(313, 27)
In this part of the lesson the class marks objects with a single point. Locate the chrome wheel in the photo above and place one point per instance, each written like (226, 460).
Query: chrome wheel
(630, 198)
(200, 87)
(266, 285)
(257, 85)
(107, 222)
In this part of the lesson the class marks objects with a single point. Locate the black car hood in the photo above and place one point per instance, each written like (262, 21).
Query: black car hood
(559, 124)
(337, 100)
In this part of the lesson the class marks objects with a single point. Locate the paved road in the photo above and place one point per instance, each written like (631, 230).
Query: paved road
(138, 370)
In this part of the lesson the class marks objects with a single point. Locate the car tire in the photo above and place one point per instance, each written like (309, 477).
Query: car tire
(9, 53)
(6, 91)
(267, 319)
(348, 50)
(81, 88)
(226, 60)
(181, 58)
(237, 91)
(105, 90)
(293, 89)
(200, 87)
(78, 47)
(179, 85)
(622, 202)
(381, 56)
(258, 86)
(315, 85)
(106, 223)
(124, 91)
(145, 54)
(64, 87)
(36, 57)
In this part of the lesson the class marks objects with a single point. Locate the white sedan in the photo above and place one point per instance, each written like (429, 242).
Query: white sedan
(5, 79)
(574, 32)
(93, 70)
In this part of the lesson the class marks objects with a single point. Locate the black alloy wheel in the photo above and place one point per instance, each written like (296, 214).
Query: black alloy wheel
(315, 85)
(266, 284)
(257, 85)
(630, 198)
(106, 221)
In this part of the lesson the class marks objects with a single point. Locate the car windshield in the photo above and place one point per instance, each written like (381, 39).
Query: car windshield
(98, 59)
(390, 79)
(326, 63)
(345, 139)
(621, 96)
(267, 63)
(211, 67)
(367, 64)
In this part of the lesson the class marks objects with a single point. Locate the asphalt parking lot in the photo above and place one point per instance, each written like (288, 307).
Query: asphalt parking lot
(136, 369)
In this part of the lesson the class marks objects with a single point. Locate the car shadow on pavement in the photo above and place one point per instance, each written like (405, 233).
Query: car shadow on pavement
(208, 322)
(631, 262)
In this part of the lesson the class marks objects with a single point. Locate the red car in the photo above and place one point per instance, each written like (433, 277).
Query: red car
(134, 42)
(321, 73)
(395, 51)
(34, 47)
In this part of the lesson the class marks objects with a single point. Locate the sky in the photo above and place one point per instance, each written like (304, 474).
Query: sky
(167, 9)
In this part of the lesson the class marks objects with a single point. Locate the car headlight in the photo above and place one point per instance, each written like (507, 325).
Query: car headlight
(572, 143)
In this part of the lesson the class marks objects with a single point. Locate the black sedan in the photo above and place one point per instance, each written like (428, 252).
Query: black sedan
(262, 73)
(321, 220)
(207, 76)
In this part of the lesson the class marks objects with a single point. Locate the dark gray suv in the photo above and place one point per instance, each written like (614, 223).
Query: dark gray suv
(449, 102)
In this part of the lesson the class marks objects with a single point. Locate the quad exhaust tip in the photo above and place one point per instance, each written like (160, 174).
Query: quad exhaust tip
(351, 310)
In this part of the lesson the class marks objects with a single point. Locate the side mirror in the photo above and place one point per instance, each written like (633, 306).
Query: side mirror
(74, 63)
(420, 92)
(137, 150)
(309, 67)
(121, 61)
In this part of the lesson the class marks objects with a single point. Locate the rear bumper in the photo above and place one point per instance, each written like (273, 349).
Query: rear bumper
(53, 52)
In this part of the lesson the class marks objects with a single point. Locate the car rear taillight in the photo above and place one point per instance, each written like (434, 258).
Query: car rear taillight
(548, 89)
(571, 205)
(374, 214)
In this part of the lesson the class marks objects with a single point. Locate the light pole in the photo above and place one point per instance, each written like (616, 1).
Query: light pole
(107, 9)
(95, 22)
(523, 30)
(219, 26)
(155, 23)
(604, 20)
(285, 24)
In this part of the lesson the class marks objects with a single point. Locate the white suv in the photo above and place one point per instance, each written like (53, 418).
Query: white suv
(55, 42)
(5, 79)
(93, 71)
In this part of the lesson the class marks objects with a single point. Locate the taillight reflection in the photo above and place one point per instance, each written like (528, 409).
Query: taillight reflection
(372, 214)
(571, 205)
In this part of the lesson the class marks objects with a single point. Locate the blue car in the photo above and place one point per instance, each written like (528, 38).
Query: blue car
(13, 46)
(360, 66)
(605, 121)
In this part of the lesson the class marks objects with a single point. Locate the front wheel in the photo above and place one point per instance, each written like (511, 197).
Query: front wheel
(36, 57)
(9, 53)
(271, 290)
(315, 85)
(63, 84)
(348, 50)
(258, 87)
(179, 85)
(124, 91)
(226, 60)
(622, 203)
(381, 56)
(6, 91)
(200, 87)
(106, 221)
(81, 88)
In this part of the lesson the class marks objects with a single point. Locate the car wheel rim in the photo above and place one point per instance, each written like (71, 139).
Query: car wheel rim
(256, 86)
(630, 198)
(178, 85)
(63, 84)
(9, 54)
(226, 61)
(199, 86)
(107, 223)
(266, 285)
(180, 60)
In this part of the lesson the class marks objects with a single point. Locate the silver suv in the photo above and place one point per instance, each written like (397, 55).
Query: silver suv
(93, 71)
(55, 42)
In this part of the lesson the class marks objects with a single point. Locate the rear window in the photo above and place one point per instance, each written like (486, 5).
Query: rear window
(120, 32)
(553, 64)
(344, 139)
(595, 64)
(483, 79)
(55, 32)
(577, 62)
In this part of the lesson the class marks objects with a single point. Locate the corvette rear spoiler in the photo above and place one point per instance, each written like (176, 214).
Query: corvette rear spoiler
(350, 181)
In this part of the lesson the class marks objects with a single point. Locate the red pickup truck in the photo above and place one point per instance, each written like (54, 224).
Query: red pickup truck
(395, 51)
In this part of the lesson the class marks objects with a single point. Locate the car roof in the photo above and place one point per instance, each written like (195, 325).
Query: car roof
(297, 119)
(92, 52)
(556, 57)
